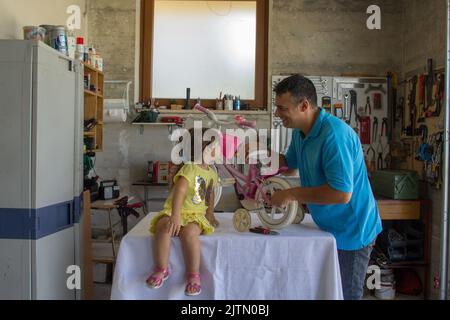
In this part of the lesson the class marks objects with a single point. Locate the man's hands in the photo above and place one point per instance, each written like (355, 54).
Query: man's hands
(281, 199)
(212, 220)
(174, 225)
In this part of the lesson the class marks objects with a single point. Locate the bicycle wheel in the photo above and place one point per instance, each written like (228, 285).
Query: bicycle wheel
(272, 217)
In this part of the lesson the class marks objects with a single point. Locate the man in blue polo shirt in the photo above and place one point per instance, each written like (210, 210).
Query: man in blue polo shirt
(334, 182)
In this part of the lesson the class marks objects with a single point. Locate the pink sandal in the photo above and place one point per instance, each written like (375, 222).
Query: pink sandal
(157, 280)
(191, 285)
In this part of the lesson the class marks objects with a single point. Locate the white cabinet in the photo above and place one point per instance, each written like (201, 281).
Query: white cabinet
(41, 110)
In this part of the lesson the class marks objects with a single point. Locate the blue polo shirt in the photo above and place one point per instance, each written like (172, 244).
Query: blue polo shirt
(332, 154)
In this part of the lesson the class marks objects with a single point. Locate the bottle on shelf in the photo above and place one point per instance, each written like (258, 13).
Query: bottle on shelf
(79, 53)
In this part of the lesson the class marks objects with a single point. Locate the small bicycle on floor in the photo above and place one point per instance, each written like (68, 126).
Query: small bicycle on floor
(255, 189)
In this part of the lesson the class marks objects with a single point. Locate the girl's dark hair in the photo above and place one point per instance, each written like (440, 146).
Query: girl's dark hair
(204, 144)
(191, 135)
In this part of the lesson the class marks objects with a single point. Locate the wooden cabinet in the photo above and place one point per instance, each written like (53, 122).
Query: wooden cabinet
(93, 108)
(399, 209)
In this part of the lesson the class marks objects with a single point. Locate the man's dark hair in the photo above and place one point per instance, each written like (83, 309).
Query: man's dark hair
(299, 87)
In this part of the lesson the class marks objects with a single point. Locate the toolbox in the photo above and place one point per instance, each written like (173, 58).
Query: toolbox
(396, 184)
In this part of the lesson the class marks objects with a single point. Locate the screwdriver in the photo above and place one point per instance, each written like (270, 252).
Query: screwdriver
(263, 230)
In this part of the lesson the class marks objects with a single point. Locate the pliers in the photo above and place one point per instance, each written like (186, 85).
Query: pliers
(384, 126)
(368, 106)
(373, 153)
(375, 128)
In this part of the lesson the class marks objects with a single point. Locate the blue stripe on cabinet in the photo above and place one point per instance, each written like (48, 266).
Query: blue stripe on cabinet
(77, 208)
(34, 224)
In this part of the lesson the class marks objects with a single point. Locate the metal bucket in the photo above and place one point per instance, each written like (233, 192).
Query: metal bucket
(59, 39)
(34, 33)
(48, 34)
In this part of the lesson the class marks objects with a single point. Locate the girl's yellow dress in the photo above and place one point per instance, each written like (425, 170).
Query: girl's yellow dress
(201, 183)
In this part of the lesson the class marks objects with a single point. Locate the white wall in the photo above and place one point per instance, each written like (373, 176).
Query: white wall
(15, 14)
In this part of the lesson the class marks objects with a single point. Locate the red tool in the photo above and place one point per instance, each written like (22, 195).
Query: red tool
(263, 230)
(377, 103)
(172, 119)
(365, 130)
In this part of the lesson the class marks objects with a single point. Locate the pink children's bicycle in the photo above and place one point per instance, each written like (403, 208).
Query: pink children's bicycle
(255, 189)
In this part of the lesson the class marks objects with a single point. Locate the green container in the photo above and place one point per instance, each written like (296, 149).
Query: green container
(396, 184)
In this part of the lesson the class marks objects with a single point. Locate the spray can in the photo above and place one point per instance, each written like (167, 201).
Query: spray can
(237, 103)
(79, 53)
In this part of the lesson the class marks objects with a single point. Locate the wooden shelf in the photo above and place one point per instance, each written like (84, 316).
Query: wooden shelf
(234, 112)
(94, 106)
(153, 124)
(91, 68)
(89, 92)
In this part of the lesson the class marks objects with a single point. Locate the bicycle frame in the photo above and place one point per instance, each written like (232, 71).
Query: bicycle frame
(251, 182)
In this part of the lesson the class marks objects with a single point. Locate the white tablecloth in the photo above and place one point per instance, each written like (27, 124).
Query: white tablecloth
(299, 264)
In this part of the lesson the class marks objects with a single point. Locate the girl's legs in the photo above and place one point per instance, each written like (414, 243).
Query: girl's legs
(190, 241)
(161, 249)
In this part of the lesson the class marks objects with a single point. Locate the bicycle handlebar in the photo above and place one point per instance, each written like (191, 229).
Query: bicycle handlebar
(239, 120)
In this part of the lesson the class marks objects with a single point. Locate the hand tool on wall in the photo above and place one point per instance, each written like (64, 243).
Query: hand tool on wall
(439, 96)
(380, 156)
(399, 112)
(421, 98)
(346, 108)
(375, 129)
(384, 127)
(381, 151)
(364, 130)
(392, 84)
(412, 106)
(371, 164)
(425, 151)
(437, 159)
(429, 85)
(377, 101)
(353, 105)
(375, 88)
(368, 107)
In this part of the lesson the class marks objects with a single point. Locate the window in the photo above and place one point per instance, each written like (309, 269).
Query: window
(207, 46)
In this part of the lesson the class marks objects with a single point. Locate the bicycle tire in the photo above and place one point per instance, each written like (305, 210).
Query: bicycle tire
(268, 218)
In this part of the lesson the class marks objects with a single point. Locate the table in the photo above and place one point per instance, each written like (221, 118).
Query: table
(301, 263)
(108, 206)
(147, 187)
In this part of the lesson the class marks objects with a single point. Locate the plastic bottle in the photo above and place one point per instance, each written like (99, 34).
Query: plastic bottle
(79, 53)
(98, 61)
(91, 57)
(86, 55)
(71, 44)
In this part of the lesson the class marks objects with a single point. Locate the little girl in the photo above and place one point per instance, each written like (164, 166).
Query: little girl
(188, 212)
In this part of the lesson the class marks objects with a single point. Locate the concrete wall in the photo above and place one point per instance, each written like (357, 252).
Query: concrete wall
(424, 34)
(15, 14)
(329, 37)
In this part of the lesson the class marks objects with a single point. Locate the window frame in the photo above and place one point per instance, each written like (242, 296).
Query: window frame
(261, 54)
